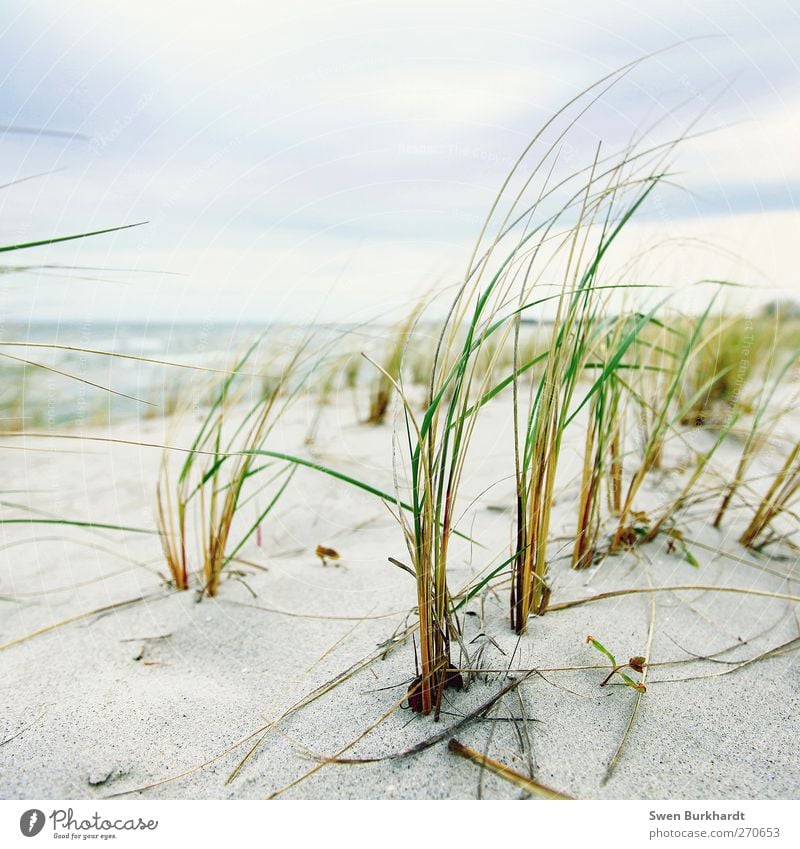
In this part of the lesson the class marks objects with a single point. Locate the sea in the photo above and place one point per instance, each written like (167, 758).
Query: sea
(94, 372)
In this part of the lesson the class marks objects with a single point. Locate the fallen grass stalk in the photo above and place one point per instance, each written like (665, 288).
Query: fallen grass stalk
(76, 378)
(77, 618)
(74, 523)
(775, 651)
(505, 772)
(116, 355)
(564, 605)
(435, 738)
(316, 616)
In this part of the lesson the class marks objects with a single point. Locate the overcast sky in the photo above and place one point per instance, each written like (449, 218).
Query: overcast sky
(334, 159)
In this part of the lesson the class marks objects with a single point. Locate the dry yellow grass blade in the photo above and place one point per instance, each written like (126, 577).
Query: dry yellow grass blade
(505, 772)
(96, 612)
(564, 605)
(120, 356)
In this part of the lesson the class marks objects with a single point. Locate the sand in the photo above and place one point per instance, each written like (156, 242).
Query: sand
(157, 688)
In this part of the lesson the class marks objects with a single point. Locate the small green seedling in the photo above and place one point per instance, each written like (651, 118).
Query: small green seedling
(636, 663)
(677, 540)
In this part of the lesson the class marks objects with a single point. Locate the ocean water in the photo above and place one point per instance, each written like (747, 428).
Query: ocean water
(97, 373)
(56, 374)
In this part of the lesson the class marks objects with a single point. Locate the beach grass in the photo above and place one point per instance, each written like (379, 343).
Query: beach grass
(540, 322)
(201, 501)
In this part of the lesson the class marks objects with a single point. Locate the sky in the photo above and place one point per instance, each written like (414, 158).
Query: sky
(332, 161)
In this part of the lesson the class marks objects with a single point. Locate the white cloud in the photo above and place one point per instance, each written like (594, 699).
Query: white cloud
(282, 142)
(761, 146)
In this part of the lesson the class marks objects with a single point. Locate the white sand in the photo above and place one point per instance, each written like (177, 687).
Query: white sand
(82, 717)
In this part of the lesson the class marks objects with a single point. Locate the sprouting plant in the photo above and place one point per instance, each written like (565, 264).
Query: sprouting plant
(678, 540)
(636, 663)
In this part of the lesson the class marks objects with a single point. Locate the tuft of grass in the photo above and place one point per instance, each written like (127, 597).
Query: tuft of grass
(389, 372)
(762, 426)
(210, 486)
(659, 416)
(778, 500)
(578, 331)
(722, 366)
(602, 455)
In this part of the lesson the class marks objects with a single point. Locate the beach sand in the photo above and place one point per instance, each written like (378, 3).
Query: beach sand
(165, 686)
